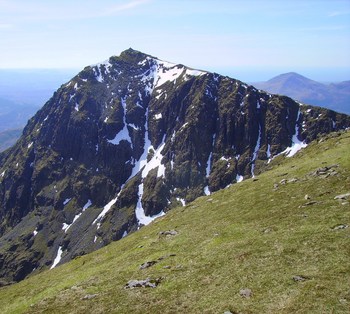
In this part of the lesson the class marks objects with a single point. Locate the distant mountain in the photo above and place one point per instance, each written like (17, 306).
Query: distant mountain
(22, 93)
(31, 87)
(14, 115)
(8, 138)
(335, 96)
(125, 141)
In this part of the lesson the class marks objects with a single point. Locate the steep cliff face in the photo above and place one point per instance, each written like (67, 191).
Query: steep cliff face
(125, 141)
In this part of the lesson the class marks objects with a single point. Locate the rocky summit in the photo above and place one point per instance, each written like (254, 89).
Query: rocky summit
(125, 141)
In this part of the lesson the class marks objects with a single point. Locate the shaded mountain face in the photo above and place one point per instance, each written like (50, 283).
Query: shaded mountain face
(334, 96)
(125, 141)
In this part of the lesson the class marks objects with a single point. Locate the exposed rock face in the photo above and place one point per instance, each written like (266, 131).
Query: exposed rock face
(126, 140)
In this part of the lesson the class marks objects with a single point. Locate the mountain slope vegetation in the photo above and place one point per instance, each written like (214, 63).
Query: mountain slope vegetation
(276, 243)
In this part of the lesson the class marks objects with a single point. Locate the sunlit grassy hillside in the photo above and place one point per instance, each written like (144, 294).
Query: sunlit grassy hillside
(279, 243)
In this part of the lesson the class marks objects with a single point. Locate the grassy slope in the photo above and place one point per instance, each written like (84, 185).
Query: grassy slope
(246, 236)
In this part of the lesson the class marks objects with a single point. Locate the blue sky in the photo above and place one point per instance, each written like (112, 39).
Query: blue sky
(249, 40)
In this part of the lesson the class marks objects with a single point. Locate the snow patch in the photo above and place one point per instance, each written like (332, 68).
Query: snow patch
(125, 233)
(183, 202)
(257, 147)
(296, 143)
(268, 153)
(140, 213)
(98, 70)
(146, 167)
(162, 71)
(225, 159)
(66, 201)
(30, 145)
(206, 190)
(210, 158)
(207, 170)
(158, 116)
(86, 206)
(65, 227)
(239, 178)
(185, 124)
(134, 126)
(57, 258)
(122, 135)
(106, 208)
(167, 72)
(192, 72)
(155, 162)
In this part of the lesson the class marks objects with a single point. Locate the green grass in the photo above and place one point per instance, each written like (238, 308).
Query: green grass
(247, 236)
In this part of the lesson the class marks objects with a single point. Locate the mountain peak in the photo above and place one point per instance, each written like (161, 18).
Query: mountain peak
(142, 66)
(127, 140)
(290, 76)
(133, 54)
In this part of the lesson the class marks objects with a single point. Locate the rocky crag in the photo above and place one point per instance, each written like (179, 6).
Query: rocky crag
(125, 141)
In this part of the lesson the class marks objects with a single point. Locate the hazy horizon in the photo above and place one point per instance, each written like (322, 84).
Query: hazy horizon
(245, 74)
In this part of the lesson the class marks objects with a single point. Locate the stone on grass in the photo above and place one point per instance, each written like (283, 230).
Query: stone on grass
(283, 181)
(310, 203)
(340, 227)
(246, 293)
(147, 264)
(89, 296)
(168, 233)
(144, 283)
(299, 278)
(342, 196)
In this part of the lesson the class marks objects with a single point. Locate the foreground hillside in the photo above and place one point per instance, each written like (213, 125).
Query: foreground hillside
(278, 243)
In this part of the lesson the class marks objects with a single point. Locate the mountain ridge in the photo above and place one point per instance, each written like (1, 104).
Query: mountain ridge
(335, 96)
(125, 141)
